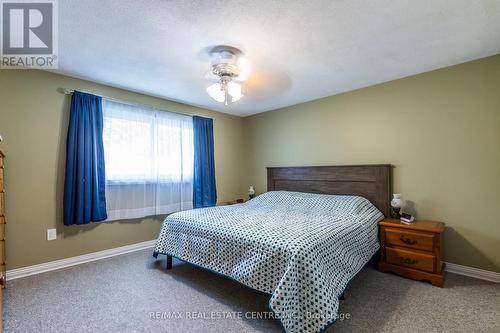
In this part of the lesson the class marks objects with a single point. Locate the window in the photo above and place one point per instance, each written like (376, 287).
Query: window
(149, 161)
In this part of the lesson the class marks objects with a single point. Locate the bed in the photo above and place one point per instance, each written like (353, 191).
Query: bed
(301, 242)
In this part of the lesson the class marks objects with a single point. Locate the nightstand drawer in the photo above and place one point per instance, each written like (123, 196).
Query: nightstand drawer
(2, 231)
(421, 261)
(412, 239)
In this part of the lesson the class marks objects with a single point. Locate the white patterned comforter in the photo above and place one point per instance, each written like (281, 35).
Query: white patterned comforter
(301, 248)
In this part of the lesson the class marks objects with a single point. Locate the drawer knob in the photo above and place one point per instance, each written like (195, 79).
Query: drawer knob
(408, 241)
(408, 261)
(2, 280)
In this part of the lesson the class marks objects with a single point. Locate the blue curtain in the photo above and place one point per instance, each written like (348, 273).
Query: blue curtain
(204, 191)
(84, 185)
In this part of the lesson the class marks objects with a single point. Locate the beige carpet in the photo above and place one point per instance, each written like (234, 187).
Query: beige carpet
(134, 293)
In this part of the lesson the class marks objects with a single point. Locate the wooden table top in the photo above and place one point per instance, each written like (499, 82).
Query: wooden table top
(431, 226)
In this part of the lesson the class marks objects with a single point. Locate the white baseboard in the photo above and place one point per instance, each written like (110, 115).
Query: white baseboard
(473, 272)
(58, 264)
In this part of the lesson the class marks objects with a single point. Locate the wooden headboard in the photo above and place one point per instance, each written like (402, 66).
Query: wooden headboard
(370, 181)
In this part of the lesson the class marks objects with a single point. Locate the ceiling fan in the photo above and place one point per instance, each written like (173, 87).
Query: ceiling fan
(228, 68)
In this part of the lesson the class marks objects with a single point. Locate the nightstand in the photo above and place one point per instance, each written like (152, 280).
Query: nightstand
(236, 201)
(412, 250)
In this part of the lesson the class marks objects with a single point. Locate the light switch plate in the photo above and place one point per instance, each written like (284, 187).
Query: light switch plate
(51, 234)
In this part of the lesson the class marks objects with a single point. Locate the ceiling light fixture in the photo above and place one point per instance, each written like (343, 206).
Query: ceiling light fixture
(226, 68)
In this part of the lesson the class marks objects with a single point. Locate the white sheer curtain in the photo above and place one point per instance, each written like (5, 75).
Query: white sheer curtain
(149, 161)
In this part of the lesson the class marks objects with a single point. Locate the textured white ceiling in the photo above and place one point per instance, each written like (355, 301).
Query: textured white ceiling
(298, 50)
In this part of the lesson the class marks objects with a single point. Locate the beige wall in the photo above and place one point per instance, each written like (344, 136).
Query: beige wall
(33, 122)
(440, 129)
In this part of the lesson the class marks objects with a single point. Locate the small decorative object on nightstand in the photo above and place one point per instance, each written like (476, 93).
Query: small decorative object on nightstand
(251, 192)
(396, 204)
(413, 251)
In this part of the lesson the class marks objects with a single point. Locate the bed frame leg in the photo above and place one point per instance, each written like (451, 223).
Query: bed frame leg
(169, 262)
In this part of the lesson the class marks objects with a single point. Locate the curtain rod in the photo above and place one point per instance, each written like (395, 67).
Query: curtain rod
(68, 91)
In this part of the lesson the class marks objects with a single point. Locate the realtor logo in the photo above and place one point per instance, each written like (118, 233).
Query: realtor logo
(29, 34)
